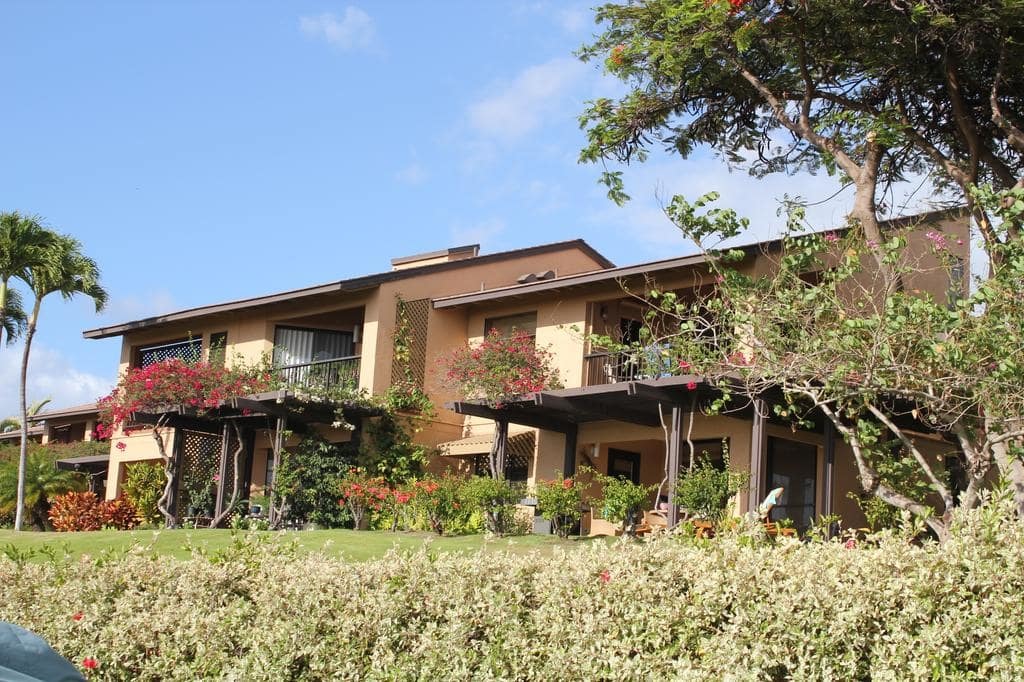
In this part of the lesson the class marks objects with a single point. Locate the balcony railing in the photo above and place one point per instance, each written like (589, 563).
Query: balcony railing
(323, 374)
(601, 367)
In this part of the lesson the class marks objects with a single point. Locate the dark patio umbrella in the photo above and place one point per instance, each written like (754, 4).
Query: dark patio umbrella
(25, 657)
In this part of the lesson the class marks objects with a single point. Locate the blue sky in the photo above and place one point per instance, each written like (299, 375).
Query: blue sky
(209, 151)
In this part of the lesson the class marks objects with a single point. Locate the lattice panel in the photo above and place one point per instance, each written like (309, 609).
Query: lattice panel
(517, 459)
(189, 351)
(417, 313)
(200, 458)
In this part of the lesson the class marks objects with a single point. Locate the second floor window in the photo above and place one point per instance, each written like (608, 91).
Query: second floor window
(510, 324)
(295, 346)
(189, 350)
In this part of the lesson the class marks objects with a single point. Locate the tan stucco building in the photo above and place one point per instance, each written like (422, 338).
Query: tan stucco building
(607, 417)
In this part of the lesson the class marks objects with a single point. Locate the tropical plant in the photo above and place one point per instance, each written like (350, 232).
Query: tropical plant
(496, 499)
(64, 269)
(38, 481)
(24, 243)
(309, 478)
(143, 486)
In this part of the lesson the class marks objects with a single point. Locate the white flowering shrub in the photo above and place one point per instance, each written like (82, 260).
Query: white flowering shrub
(732, 608)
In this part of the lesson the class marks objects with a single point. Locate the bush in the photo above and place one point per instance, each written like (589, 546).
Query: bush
(705, 491)
(496, 500)
(84, 511)
(439, 501)
(623, 500)
(143, 486)
(668, 609)
(560, 501)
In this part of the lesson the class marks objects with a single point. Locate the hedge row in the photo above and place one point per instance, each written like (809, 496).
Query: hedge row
(732, 608)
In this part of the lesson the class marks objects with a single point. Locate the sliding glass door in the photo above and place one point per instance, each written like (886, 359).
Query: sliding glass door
(794, 467)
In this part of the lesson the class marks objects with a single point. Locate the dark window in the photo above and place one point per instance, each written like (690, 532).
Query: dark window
(624, 465)
(269, 477)
(189, 350)
(793, 466)
(510, 324)
(711, 449)
(218, 348)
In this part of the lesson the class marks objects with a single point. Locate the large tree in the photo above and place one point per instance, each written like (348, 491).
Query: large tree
(63, 270)
(874, 92)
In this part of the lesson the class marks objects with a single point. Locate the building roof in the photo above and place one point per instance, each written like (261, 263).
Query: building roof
(83, 410)
(33, 432)
(346, 285)
(613, 274)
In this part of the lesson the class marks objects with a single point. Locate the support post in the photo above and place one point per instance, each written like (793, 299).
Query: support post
(675, 444)
(757, 454)
(278, 445)
(222, 469)
(569, 459)
(830, 468)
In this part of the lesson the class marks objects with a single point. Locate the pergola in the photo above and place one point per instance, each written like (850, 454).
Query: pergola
(662, 402)
(275, 411)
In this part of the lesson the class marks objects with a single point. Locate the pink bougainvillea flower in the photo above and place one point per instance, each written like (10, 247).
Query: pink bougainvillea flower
(831, 237)
(692, 386)
(121, 445)
(90, 663)
(683, 364)
(605, 576)
(77, 616)
(850, 544)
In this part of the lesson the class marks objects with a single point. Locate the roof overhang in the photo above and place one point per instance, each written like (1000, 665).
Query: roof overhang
(90, 463)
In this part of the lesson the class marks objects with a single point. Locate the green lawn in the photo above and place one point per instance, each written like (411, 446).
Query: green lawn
(347, 544)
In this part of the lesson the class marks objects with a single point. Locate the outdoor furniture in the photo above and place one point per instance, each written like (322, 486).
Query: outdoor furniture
(774, 530)
(656, 521)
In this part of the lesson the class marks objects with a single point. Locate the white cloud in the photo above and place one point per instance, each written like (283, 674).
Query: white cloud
(477, 233)
(519, 107)
(413, 174)
(353, 31)
(50, 375)
(573, 19)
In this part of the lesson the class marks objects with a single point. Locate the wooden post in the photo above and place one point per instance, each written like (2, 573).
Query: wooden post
(830, 468)
(757, 453)
(569, 459)
(222, 469)
(675, 445)
(278, 445)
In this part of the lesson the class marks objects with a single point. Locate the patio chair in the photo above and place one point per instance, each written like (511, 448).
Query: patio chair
(600, 526)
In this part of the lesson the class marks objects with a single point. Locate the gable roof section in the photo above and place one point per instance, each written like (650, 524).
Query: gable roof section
(346, 285)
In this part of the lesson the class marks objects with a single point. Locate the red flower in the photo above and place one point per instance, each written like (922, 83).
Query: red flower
(850, 544)
(606, 577)
(683, 364)
(90, 663)
(77, 616)
(121, 445)
(567, 483)
(692, 386)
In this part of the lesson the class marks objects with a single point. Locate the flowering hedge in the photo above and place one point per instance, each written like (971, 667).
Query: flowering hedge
(729, 608)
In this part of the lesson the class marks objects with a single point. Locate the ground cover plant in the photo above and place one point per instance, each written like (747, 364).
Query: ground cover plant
(735, 607)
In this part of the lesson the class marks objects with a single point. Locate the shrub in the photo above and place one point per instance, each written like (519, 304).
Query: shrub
(361, 494)
(668, 609)
(84, 511)
(143, 486)
(705, 491)
(439, 501)
(496, 499)
(623, 500)
(560, 501)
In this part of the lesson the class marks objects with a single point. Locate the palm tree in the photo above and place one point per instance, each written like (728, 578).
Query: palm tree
(23, 244)
(67, 271)
(42, 480)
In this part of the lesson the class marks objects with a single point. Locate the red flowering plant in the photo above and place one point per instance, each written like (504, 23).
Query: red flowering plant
(560, 501)
(500, 368)
(360, 493)
(440, 501)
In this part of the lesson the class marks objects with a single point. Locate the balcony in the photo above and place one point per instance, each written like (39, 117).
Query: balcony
(609, 368)
(323, 374)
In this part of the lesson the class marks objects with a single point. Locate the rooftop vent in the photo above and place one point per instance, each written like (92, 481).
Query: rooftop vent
(435, 257)
(536, 276)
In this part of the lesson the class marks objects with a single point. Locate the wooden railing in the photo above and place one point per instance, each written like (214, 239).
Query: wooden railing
(323, 374)
(609, 368)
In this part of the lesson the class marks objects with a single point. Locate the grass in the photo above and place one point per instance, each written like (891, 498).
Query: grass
(348, 545)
